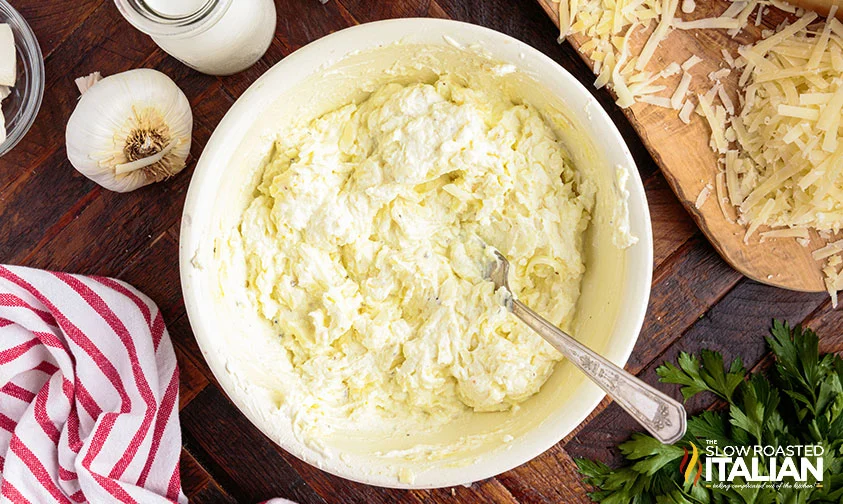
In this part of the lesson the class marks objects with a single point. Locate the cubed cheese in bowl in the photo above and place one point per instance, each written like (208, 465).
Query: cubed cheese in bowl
(8, 56)
(21, 77)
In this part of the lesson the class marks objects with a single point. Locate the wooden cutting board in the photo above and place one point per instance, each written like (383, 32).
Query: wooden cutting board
(688, 163)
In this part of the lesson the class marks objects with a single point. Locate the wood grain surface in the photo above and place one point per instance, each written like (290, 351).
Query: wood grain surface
(688, 163)
(52, 217)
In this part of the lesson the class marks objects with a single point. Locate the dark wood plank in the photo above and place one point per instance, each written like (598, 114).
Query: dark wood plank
(550, 477)
(198, 485)
(242, 452)
(329, 487)
(55, 21)
(26, 218)
(211, 475)
(828, 324)
(194, 477)
(212, 494)
(435, 10)
(153, 272)
(489, 490)
(365, 10)
(182, 337)
(191, 380)
(672, 226)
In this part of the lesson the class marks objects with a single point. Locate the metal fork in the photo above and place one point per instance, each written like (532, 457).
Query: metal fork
(661, 415)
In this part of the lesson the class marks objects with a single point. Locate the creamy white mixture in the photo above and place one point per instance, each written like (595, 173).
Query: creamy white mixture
(364, 244)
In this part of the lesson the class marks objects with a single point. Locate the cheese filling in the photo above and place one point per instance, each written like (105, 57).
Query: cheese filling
(364, 248)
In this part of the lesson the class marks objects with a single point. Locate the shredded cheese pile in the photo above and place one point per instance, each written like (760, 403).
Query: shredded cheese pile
(610, 26)
(779, 146)
(785, 169)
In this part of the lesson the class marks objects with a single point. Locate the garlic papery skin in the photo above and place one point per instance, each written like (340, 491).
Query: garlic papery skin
(130, 129)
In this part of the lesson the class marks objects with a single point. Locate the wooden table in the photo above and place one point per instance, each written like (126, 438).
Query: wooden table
(52, 217)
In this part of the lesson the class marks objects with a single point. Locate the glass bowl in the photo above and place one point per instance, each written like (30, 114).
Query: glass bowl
(22, 105)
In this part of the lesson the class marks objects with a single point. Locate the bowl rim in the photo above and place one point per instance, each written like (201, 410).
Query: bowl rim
(204, 179)
(31, 49)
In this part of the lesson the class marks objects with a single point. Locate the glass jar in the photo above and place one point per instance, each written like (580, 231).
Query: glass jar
(216, 37)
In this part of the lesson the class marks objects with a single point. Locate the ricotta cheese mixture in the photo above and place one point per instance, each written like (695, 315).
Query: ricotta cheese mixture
(364, 248)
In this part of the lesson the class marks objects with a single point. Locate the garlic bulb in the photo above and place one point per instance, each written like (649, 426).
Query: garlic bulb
(129, 130)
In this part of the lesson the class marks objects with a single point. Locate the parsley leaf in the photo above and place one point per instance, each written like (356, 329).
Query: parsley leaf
(650, 453)
(798, 402)
(706, 376)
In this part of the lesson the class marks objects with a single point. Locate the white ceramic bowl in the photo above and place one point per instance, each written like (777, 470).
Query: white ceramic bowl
(615, 290)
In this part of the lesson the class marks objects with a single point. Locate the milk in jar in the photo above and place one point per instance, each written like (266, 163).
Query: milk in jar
(216, 37)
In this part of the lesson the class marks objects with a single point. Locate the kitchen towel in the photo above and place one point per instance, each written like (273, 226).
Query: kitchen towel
(88, 392)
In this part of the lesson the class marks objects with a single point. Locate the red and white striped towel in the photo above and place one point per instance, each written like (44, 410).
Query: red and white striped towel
(88, 392)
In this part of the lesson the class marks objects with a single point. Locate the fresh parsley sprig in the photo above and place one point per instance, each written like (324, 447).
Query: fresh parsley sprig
(799, 401)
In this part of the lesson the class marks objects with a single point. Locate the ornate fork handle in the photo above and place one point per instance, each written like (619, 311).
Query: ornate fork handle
(661, 415)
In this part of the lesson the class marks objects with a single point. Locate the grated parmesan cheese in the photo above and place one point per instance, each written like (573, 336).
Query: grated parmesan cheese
(703, 196)
(783, 5)
(681, 91)
(730, 108)
(828, 251)
(833, 277)
(658, 34)
(718, 132)
(785, 233)
(779, 144)
(670, 70)
(722, 199)
(708, 24)
(786, 171)
(610, 25)
(717, 75)
(727, 57)
(743, 15)
(685, 113)
(658, 101)
(734, 9)
(690, 62)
